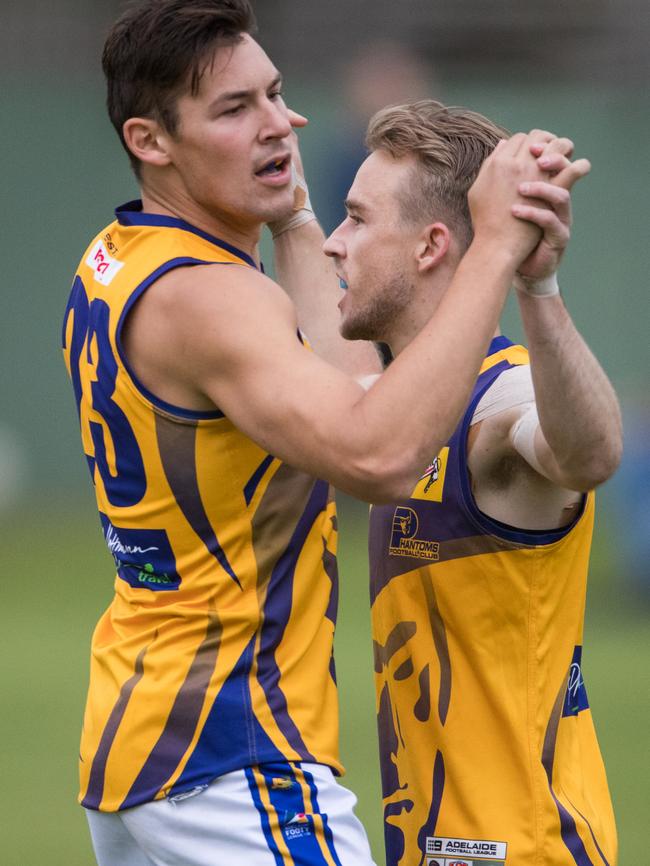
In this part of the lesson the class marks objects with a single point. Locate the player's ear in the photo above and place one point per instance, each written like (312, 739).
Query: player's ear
(146, 140)
(432, 246)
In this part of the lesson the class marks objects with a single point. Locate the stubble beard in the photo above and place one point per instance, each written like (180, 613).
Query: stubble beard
(377, 319)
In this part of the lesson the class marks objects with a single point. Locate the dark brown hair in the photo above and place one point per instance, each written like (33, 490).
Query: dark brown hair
(159, 48)
(450, 144)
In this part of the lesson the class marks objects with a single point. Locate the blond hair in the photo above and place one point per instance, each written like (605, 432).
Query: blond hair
(449, 143)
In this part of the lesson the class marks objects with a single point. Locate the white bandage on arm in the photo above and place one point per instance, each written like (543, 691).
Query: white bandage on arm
(512, 388)
(302, 210)
(544, 288)
(523, 435)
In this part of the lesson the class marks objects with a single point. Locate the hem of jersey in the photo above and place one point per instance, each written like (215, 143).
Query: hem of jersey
(525, 537)
(208, 778)
(140, 388)
(132, 214)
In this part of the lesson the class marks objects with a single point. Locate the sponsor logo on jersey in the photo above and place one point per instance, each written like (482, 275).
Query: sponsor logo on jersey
(143, 557)
(404, 540)
(432, 482)
(110, 245)
(575, 699)
(296, 825)
(281, 782)
(467, 852)
(105, 268)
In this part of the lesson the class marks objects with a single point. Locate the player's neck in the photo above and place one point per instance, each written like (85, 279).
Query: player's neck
(406, 327)
(243, 237)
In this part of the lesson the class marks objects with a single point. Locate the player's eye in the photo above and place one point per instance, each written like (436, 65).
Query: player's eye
(231, 112)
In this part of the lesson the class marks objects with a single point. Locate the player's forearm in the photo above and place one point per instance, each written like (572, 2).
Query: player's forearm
(578, 409)
(415, 406)
(310, 280)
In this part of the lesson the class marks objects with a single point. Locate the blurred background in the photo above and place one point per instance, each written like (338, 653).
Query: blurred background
(581, 69)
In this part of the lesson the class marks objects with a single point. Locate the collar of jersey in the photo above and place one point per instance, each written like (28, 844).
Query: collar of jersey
(131, 214)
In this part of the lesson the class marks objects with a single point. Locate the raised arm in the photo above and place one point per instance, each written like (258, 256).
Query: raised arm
(308, 277)
(574, 435)
(235, 347)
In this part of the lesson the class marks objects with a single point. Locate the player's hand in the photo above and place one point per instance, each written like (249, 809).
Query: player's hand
(496, 190)
(302, 211)
(547, 204)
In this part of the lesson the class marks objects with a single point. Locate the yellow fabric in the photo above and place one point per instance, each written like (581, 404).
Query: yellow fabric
(218, 655)
(474, 651)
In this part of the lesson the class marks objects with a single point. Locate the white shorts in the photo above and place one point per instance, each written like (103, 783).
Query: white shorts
(271, 815)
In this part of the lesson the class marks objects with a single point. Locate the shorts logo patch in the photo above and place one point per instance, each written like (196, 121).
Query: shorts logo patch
(404, 540)
(279, 783)
(431, 484)
(295, 825)
(105, 268)
(465, 852)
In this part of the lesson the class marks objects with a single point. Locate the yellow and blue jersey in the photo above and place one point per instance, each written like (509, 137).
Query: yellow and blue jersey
(216, 651)
(488, 749)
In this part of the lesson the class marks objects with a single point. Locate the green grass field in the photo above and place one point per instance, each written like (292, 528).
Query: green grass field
(57, 579)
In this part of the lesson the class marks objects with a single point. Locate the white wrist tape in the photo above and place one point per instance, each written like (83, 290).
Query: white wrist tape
(543, 288)
(523, 437)
(302, 210)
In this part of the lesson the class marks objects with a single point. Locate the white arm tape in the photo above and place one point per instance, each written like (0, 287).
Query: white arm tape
(302, 210)
(537, 288)
(512, 388)
(523, 437)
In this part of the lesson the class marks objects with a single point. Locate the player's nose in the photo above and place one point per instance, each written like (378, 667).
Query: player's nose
(277, 122)
(334, 246)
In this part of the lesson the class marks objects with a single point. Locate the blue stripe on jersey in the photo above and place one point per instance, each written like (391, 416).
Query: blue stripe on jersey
(264, 818)
(181, 723)
(593, 836)
(78, 305)
(231, 732)
(570, 835)
(131, 214)
(277, 612)
(95, 789)
(256, 477)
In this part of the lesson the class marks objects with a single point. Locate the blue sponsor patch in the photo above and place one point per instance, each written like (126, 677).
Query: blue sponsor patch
(143, 557)
(295, 825)
(576, 694)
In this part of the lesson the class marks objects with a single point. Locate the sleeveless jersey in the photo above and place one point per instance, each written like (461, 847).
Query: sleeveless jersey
(488, 750)
(216, 651)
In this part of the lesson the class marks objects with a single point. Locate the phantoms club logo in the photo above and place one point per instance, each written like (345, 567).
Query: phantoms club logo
(404, 540)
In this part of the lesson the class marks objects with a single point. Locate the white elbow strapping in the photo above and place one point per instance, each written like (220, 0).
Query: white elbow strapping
(523, 437)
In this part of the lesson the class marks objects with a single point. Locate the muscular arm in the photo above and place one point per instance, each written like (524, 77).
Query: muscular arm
(578, 442)
(231, 342)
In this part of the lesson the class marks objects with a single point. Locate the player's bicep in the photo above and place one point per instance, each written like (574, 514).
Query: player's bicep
(527, 439)
(253, 366)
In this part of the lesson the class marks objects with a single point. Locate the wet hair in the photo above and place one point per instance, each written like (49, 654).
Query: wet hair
(159, 49)
(450, 144)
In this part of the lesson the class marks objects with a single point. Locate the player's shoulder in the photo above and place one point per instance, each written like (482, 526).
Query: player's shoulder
(213, 295)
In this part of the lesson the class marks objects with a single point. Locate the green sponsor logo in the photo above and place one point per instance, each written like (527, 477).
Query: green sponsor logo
(147, 575)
